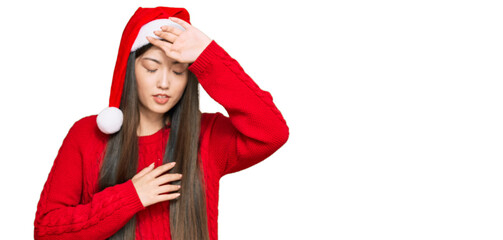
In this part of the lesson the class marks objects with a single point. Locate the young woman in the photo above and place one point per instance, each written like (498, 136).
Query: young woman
(149, 165)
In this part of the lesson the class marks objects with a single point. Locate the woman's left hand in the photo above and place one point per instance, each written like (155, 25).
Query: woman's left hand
(183, 46)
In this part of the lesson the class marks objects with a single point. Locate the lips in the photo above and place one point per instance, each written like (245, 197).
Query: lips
(161, 98)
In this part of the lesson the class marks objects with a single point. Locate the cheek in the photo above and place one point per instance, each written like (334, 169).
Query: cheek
(180, 87)
(141, 85)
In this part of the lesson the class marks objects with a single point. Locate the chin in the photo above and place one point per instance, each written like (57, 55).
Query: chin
(162, 110)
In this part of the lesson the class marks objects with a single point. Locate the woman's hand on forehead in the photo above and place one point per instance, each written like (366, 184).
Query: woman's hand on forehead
(184, 46)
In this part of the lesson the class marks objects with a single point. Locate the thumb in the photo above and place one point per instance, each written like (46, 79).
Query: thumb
(144, 171)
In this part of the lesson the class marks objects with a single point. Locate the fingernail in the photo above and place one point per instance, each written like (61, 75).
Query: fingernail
(173, 163)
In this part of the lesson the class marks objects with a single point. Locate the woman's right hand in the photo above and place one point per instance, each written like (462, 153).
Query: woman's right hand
(148, 184)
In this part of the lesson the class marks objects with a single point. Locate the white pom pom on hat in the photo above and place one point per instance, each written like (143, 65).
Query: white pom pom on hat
(143, 23)
(110, 120)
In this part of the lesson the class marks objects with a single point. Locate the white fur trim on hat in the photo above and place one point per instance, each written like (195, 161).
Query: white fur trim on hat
(148, 30)
(110, 120)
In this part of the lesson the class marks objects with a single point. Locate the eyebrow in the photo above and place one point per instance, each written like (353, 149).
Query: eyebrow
(157, 61)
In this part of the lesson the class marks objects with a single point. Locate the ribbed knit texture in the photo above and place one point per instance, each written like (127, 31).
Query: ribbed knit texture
(70, 207)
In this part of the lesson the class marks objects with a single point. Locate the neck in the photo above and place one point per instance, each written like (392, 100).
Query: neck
(150, 124)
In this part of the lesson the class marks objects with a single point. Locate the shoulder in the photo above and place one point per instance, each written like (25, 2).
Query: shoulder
(86, 129)
(216, 124)
(205, 116)
(208, 119)
(85, 124)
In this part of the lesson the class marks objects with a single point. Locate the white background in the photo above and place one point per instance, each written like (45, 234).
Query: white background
(394, 110)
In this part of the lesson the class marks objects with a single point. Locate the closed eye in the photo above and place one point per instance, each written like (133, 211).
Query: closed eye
(177, 73)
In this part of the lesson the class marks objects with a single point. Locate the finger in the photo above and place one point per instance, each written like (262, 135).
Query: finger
(183, 23)
(161, 169)
(144, 171)
(171, 29)
(165, 197)
(169, 177)
(168, 188)
(160, 43)
(166, 35)
(165, 45)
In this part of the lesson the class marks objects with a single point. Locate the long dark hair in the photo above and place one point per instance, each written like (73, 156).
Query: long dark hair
(188, 219)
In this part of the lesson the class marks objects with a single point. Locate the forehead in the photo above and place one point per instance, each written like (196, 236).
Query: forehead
(155, 54)
(155, 51)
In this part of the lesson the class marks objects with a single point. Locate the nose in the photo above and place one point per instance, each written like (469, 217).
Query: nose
(163, 82)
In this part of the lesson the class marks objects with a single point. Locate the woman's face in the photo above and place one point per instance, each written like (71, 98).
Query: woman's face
(160, 81)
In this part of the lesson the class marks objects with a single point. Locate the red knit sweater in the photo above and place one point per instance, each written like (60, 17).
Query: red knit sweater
(70, 206)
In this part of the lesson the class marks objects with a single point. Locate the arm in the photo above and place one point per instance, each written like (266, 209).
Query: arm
(59, 212)
(255, 128)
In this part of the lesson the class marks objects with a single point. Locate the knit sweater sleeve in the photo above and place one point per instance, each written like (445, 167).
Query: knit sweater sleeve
(60, 213)
(255, 128)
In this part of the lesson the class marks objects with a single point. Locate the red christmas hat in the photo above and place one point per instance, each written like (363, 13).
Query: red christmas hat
(143, 23)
